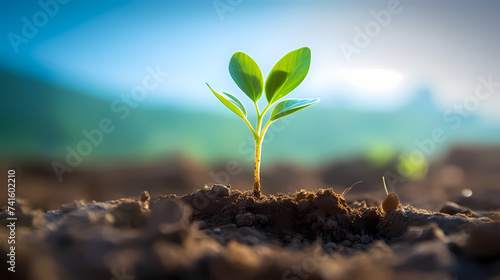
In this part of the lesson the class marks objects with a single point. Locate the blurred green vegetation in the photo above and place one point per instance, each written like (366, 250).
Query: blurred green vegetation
(40, 119)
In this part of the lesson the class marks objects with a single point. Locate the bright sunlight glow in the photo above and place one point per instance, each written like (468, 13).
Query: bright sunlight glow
(371, 79)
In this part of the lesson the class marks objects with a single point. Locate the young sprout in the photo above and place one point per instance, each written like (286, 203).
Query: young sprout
(391, 202)
(285, 76)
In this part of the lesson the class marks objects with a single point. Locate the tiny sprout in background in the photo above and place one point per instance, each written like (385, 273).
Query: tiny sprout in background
(285, 76)
(391, 202)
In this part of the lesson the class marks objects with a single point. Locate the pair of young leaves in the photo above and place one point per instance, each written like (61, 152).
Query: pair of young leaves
(285, 76)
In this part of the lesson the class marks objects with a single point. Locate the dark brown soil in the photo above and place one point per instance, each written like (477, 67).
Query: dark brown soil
(220, 233)
(320, 215)
(474, 169)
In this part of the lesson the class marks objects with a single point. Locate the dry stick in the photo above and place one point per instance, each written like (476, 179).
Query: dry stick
(349, 188)
(385, 187)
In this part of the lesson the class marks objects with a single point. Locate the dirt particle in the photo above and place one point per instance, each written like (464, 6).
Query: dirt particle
(352, 237)
(303, 205)
(128, 213)
(366, 239)
(314, 215)
(394, 224)
(221, 190)
(346, 243)
(262, 219)
(169, 211)
(330, 247)
(358, 204)
(296, 243)
(358, 246)
(451, 208)
(429, 256)
(144, 199)
(245, 220)
(250, 202)
(484, 241)
(331, 203)
(145, 196)
(301, 195)
(429, 232)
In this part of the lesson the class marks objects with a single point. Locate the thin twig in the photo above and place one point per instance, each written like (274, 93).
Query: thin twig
(349, 188)
(385, 187)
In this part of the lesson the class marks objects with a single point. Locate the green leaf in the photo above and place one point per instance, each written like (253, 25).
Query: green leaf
(287, 74)
(247, 75)
(290, 106)
(231, 102)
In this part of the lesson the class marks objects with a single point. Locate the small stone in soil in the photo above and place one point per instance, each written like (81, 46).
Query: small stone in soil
(246, 219)
(346, 243)
(221, 190)
(366, 239)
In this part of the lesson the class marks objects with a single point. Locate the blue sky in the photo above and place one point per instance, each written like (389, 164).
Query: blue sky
(105, 47)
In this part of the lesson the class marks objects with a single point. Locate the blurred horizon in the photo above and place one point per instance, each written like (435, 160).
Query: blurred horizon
(389, 73)
(206, 128)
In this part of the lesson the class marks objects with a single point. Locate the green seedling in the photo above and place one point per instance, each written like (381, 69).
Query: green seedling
(285, 76)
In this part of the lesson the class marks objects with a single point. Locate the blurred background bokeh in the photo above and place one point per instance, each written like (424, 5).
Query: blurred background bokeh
(100, 100)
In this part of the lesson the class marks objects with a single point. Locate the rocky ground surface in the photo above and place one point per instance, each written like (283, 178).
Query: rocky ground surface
(221, 233)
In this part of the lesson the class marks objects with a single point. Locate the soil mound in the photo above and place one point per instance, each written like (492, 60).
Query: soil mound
(221, 233)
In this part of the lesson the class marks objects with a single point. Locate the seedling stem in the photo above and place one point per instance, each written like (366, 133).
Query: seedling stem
(285, 76)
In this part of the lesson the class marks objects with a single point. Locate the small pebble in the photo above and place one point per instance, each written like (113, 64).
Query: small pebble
(358, 204)
(429, 256)
(301, 195)
(245, 220)
(296, 243)
(145, 196)
(346, 243)
(484, 241)
(366, 239)
(358, 246)
(202, 224)
(262, 219)
(221, 190)
(350, 237)
(144, 199)
(303, 205)
(451, 208)
(332, 246)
